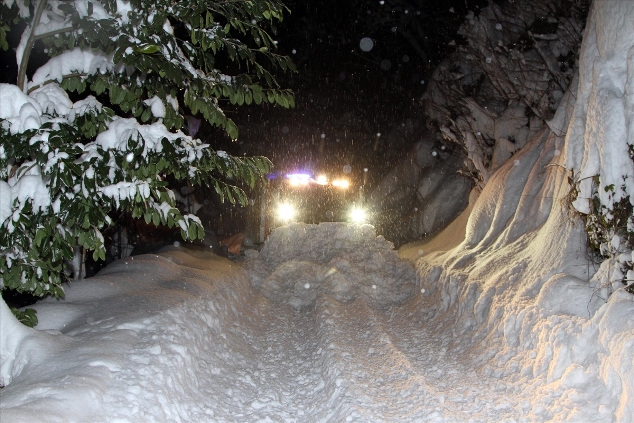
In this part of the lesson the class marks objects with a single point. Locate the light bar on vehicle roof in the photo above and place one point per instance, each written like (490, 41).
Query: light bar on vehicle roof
(298, 178)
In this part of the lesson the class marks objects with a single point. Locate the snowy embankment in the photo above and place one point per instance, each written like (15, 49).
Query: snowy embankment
(520, 291)
(518, 295)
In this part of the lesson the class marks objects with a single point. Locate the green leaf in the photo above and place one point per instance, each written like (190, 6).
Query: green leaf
(86, 222)
(232, 129)
(192, 231)
(257, 97)
(27, 317)
(145, 116)
(148, 49)
(41, 234)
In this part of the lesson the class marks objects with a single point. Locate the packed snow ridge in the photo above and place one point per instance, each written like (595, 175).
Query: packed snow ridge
(300, 261)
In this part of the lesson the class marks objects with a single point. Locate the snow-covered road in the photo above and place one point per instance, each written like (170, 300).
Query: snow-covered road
(185, 336)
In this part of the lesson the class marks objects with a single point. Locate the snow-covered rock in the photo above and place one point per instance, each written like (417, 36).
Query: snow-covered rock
(506, 80)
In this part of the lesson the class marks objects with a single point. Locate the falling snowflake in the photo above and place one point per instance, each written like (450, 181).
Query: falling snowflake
(366, 44)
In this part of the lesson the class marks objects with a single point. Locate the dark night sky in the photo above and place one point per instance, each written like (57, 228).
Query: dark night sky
(344, 94)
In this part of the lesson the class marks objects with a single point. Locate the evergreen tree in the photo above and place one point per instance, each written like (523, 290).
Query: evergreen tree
(132, 69)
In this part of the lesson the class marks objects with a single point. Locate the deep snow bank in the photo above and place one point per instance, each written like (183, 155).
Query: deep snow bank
(346, 261)
(520, 286)
(127, 344)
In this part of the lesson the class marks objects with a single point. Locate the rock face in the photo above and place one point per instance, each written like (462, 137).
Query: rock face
(497, 91)
(301, 262)
(506, 78)
(422, 194)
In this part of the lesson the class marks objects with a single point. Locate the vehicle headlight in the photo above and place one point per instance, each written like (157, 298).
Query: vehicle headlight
(285, 212)
(322, 180)
(341, 183)
(358, 215)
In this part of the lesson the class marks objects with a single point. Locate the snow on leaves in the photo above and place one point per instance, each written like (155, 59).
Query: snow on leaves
(136, 67)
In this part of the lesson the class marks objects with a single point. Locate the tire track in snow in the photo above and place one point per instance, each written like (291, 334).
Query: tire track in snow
(467, 395)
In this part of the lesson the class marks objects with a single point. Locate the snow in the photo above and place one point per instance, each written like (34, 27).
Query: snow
(601, 121)
(156, 106)
(184, 335)
(19, 111)
(53, 100)
(121, 130)
(123, 8)
(76, 61)
(501, 317)
(18, 191)
(12, 336)
(301, 262)
(98, 11)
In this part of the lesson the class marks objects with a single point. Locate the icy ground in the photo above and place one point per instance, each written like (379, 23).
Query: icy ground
(325, 324)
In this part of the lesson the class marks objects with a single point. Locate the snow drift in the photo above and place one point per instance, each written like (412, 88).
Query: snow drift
(520, 286)
(300, 262)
